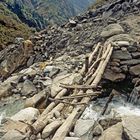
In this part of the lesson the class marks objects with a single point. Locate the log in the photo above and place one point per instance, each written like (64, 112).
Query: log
(91, 57)
(50, 128)
(107, 103)
(77, 86)
(80, 95)
(67, 125)
(52, 105)
(44, 120)
(100, 65)
(86, 64)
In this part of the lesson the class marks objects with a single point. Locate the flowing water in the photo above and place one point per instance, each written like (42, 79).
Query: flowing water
(10, 107)
(117, 107)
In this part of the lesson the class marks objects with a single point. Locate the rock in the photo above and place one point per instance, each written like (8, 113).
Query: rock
(132, 49)
(36, 99)
(9, 63)
(130, 62)
(121, 43)
(71, 23)
(98, 130)
(66, 79)
(136, 55)
(135, 80)
(28, 88)
(113, 133)
(5, 87)
(112, 29)
(123, 55)
(52, 126)
(120, 37)
(11, 125)
(72, 138)
(29, 71)
(116, 69)
(131, 126)
(108, 122)
(112, 76)
(28, 115)
(135, 70)
(51, 70)
(30, 61)
(13, 135)
(114, 64)
(83, 129)
(124, 68)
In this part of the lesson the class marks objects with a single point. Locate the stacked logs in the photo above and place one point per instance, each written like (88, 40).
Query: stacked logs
(63, 111)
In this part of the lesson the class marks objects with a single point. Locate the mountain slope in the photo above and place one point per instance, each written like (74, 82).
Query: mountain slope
(40, 13)
(11, 26)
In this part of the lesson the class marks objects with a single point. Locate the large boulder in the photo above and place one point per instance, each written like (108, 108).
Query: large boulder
(12, 125)
(36, 99)
(9, 63)
(13, 135)
(113, 133)
(119, 54)
(112, 29)
(135, 70)
(28, 115)
(131, 126)
(65, 79)
(121, 37)
(28, 88)
(83, 129)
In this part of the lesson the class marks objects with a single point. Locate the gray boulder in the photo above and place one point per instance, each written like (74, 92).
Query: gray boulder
(28, 115)
(113, 133)
(124, 55)
(112, 29)
(13, 135)
(83, 129)
(113, 76)
(28, 88)
(135, 70)
(131, 126)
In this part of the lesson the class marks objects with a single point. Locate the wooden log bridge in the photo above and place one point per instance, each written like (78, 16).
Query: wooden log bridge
(68, 105)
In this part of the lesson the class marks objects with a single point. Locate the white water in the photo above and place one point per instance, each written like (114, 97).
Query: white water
(118, 107)
(2, 116)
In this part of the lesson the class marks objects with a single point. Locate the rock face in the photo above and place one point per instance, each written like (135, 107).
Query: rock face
(113, 133)
(131, 127)
(9, 63)
(28, 115)
(112, 29)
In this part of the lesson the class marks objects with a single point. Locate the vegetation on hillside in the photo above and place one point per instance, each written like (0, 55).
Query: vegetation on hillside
(11, 26)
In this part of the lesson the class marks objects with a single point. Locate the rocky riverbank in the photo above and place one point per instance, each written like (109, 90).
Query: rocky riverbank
(57, 57)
